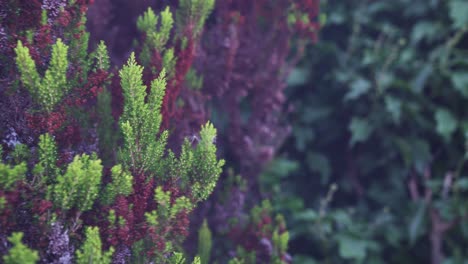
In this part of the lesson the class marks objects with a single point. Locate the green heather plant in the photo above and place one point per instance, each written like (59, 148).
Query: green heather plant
(50, 89)
(205, 243)
(108, 163)
(91, 250)
(134, 205)
(19, 253)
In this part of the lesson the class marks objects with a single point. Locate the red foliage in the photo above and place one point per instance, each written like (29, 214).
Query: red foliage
(21, 14)
(121, 233)
(43, 39)
(87, 94)
(181, 224)
(64, 18)
(169, 109)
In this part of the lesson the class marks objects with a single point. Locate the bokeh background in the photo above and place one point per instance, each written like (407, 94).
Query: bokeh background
(375, 170)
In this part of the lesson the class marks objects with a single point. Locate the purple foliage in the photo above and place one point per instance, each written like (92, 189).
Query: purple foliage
(53, 8)
(3, 39)
(59, 250)
(232, 208)
(248, 67)
(121, 255)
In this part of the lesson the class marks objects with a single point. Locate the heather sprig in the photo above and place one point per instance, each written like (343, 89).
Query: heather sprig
(193, 14)
(205, 243)
(179, 258)
(50, 89)
(10, 175)
(206, 168)
(20, 253)
(167, 211)
(101, 57)
(46, 169)
(79, 186)
(156, 37)
(91, 250)
(121, 184)
(141, 120)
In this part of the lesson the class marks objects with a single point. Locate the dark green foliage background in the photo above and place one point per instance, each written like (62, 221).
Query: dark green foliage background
(381, 99)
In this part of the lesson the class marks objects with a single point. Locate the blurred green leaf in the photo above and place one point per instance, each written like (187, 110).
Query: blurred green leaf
(360, 130)
(307, 215)
(358, 88)
(446, 123)
(351, 248)
(462, 184)
(458, 13)
(393, 106)
(298, 76)
(460, 82)
(421, 30)
(421, 78)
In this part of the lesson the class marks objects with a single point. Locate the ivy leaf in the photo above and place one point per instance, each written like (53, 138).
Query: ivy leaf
(462, 184)
(351, 248)
(298, 76)
(393, 106)
(446, 123)
(358, 88)
(417, 85)
(458, 13)
(360, 130)
(460, 82)
(307, 215)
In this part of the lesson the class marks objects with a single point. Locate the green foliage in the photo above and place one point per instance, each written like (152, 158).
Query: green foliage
(121, 184)
(360, 130)
(193, 80)
(11, 175)
(140, 121)
(179, 258)
(102, 57)
(156, 37)
(19, 253)
(20, 154)
(458, 10)
(60, 192)
(206, 168)
(143, 153)
(27, 67)
(386, 112)
(167, 211)
(91, 250)
(148, 21)
(79, 186)
(169, 62)
(193, 14)
(47, 91)
(205, 243)
(46, 169)
(446, 123)
(280, 239)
